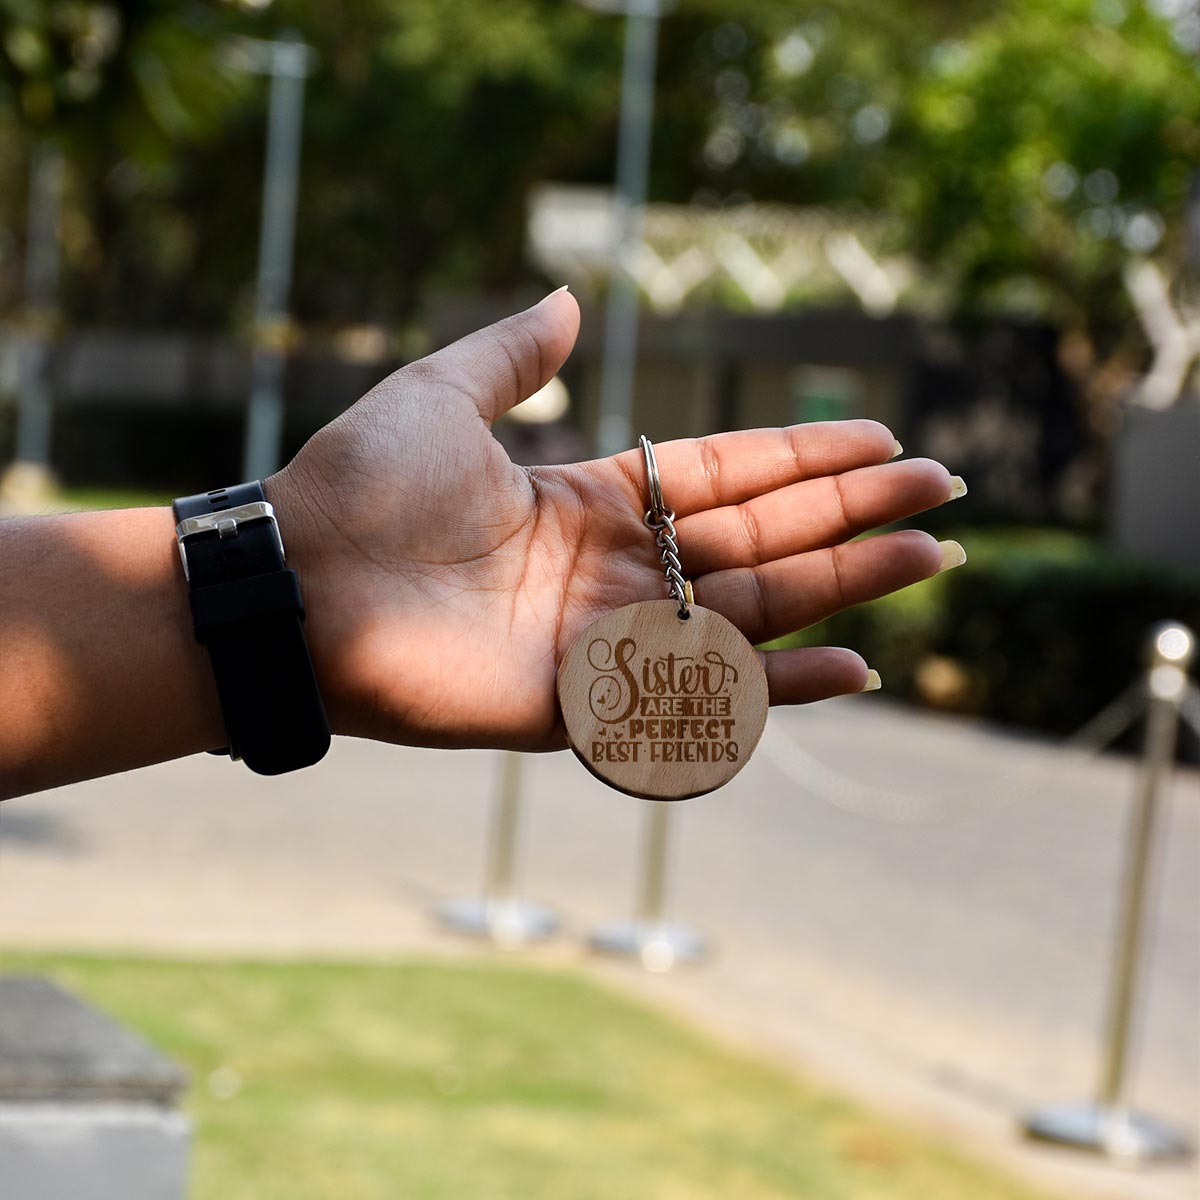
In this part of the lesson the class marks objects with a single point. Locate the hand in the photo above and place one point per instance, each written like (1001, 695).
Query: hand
(444, 584)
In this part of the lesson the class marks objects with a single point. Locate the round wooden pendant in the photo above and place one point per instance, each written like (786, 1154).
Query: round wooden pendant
(659, 707)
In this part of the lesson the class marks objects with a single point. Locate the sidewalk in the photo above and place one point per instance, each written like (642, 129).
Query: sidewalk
(952, 972)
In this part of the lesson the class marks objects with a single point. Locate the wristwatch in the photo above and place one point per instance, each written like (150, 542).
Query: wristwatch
(248, 613)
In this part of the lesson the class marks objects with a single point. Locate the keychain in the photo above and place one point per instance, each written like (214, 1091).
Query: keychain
(663, 699)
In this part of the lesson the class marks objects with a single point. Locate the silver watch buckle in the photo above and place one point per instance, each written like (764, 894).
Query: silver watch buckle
(225, 524)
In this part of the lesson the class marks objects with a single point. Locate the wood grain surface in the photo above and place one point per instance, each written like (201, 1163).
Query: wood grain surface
(659, 707)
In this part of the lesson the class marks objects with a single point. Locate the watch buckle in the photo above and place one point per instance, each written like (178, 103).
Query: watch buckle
(225, 523)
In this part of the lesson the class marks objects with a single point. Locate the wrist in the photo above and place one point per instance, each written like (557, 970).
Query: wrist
(306, 540)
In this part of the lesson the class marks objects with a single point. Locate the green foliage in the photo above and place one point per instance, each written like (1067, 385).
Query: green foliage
(1019, 151)
(86, 499)
(1039, 629)
(1022, 151)
(427, 126)
(452, 1080)
(1053, 144)
(138, 73)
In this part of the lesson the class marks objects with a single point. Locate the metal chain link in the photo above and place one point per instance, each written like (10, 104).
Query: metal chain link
(661, 520)
(833, 786)
(668, 545)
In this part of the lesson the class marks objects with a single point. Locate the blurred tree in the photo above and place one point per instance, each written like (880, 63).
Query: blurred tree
(1023, 151)
(427, 128)
(120, 86)
(426, 122)
(141, 73)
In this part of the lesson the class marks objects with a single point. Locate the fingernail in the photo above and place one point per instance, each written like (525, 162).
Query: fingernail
(958, 487)
(953, 555)
(873, 684)
(564, 287)
(899, 449)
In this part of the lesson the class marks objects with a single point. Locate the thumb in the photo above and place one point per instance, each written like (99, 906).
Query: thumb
(506, 363)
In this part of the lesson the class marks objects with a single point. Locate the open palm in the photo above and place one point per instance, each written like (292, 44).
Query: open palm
(444, 583)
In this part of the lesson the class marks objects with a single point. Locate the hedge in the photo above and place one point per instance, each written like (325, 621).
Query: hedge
(1039, 629)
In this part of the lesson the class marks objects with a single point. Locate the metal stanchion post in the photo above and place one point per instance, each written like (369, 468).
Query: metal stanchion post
(1110, 1125)
(287, 63)
(656, 943)
(633, 166)
(500, 914)
(640, 55)
(29, 482)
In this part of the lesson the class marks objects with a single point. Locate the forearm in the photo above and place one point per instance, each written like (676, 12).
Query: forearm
(99, 671)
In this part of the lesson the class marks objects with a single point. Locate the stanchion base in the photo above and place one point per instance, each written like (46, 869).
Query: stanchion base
(657, 945)
(1119, 1133)
(506, 922)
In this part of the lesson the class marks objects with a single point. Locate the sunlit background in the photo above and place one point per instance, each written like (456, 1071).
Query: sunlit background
(922, 919)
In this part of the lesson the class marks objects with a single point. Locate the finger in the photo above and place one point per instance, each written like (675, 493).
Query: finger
(792, 593)
(809, 515)
(729, 468)
(506, 363)
(814, 673)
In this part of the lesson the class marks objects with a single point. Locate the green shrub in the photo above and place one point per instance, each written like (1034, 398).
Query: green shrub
(1040, 628)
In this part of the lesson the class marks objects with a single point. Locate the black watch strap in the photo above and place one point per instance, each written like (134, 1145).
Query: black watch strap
(248, 613)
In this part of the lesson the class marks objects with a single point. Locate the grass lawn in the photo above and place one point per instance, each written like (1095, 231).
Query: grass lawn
(489, 1081)
(93, 498)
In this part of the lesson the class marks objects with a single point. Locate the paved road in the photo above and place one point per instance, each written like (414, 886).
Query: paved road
(951, 967)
